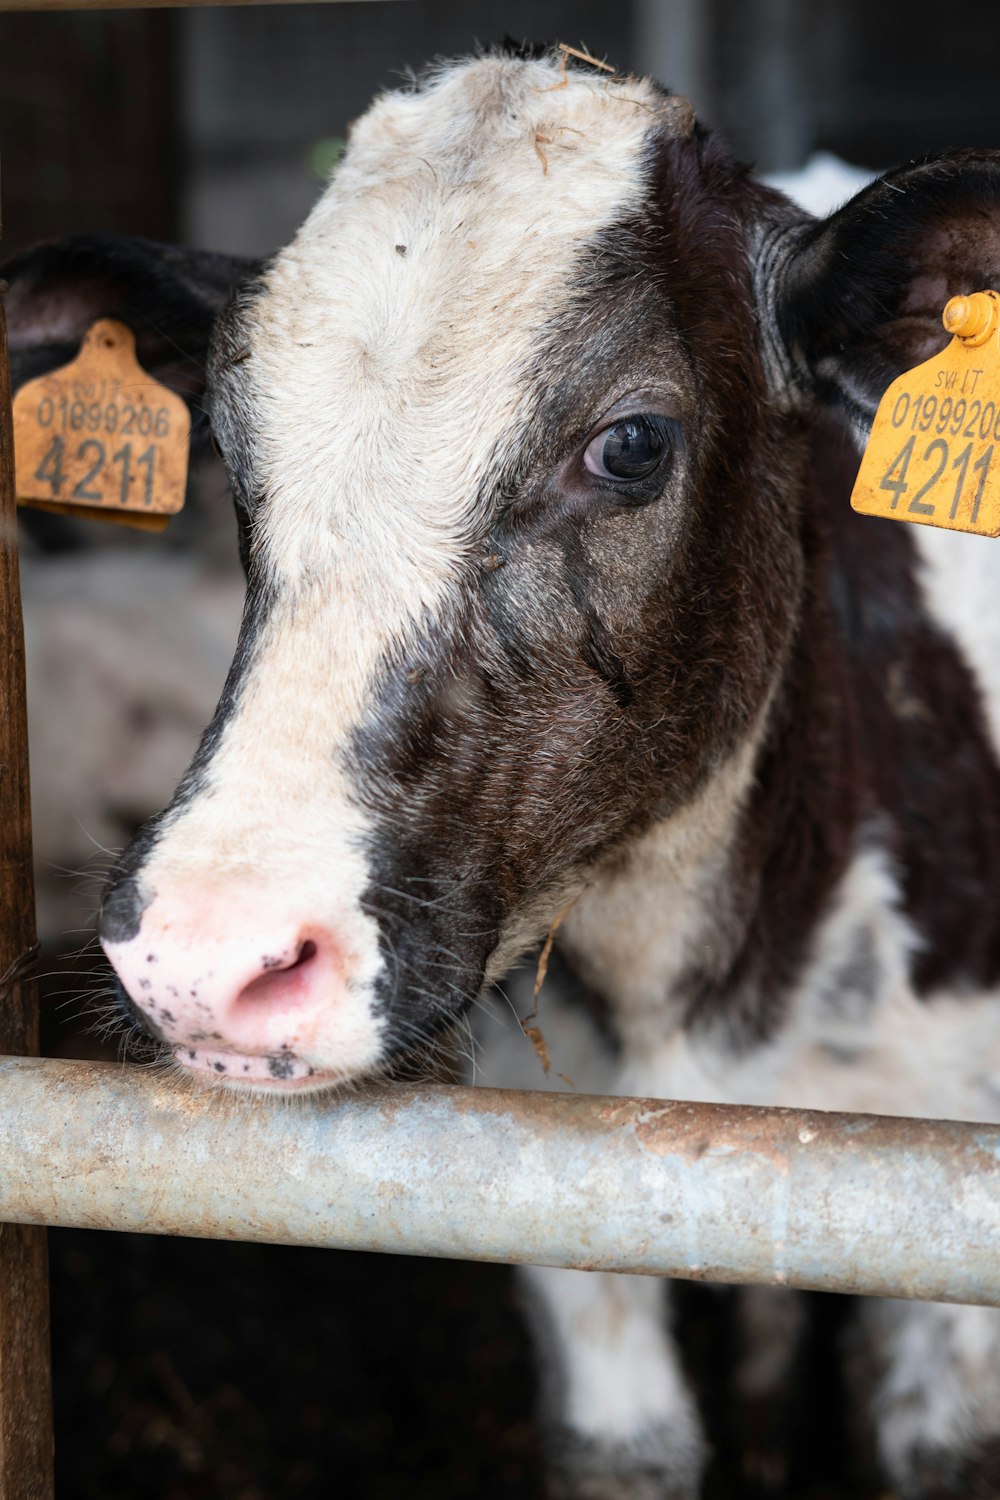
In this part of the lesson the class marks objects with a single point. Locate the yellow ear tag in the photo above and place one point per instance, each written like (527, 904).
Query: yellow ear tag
(101, 437)
(934, 452)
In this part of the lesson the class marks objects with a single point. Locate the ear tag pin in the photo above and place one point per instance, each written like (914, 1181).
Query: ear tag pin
(101, 438)
(934, 452)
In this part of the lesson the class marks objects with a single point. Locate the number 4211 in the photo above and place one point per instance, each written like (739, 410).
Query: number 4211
(51, 470)
(894, 478)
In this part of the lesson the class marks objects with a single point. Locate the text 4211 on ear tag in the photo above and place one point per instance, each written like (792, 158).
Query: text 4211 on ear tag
(934, 452)
(100, 437)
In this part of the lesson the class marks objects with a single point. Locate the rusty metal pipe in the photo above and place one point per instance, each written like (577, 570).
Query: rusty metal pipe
(846, 1203)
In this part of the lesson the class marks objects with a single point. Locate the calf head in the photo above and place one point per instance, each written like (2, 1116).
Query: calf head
(516, 428)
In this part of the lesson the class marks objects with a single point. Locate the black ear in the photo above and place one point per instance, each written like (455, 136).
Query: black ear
(858, 297)
(169, 296)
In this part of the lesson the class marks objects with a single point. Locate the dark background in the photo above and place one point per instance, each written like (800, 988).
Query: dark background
(217, 126)
(193, 1371)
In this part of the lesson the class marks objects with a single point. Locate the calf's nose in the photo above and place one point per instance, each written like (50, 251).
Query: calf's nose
(235, 988)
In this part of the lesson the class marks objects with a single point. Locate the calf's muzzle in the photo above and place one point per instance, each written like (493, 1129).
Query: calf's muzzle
(242, 988)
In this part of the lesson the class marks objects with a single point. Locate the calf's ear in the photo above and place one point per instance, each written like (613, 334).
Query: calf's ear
(169, 296)
(857, 298)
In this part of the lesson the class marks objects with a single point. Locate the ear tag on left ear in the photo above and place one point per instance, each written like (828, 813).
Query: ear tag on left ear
(934, 452)
(100, 437)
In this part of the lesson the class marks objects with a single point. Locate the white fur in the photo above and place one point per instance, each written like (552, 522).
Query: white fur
(875, 1058)
(614, 1371)
(623, 1374)
(961, 578)
(940, 1386)
(644, 917)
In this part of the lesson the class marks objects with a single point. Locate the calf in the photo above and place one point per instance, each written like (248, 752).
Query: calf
(541, 434)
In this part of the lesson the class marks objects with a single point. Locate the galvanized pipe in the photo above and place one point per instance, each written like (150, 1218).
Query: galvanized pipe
(847, 1203)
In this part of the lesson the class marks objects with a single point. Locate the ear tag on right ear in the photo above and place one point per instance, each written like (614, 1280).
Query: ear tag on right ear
(934, 452)
(100, 437)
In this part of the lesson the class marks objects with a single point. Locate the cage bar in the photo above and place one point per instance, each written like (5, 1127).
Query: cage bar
(836, 1202)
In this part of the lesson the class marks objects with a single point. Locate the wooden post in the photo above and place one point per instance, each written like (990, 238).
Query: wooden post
(26, 1447)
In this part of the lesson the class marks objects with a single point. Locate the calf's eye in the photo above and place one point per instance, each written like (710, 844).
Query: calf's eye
(631, 449)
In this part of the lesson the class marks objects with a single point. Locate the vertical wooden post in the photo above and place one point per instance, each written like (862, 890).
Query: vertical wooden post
(26, 1447)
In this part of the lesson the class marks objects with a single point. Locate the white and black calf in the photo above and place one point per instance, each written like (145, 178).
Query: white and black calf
(542, 433)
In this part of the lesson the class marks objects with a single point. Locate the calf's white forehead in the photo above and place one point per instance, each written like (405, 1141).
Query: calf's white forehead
(391, 343)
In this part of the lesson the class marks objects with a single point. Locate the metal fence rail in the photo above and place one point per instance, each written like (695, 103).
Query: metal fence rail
(846, 1203)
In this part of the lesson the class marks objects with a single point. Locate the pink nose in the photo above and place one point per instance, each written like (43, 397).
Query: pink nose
(246, 1003)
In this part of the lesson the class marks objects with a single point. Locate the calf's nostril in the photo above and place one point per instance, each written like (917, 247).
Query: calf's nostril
(277, 965)
(277, 980)
(306, 951)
